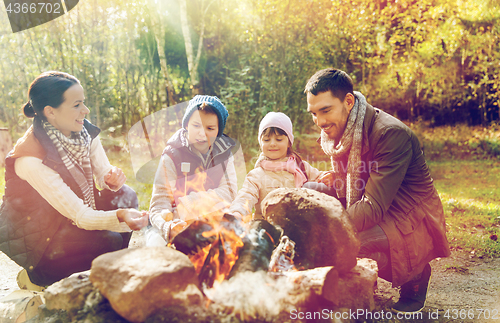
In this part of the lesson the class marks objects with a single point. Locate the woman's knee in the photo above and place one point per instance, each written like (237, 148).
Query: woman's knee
(111, 241)
(124, 198)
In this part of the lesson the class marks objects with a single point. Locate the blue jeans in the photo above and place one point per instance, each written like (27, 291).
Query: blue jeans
(320, 187)
(375, 245)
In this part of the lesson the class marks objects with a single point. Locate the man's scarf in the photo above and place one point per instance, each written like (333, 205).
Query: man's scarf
(75, 153)
(350, 144)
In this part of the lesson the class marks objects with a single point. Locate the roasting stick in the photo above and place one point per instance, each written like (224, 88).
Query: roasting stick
(185, 168)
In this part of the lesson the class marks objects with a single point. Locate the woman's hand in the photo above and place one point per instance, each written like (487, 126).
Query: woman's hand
(327, 179)
(115, 178)
(135, 220)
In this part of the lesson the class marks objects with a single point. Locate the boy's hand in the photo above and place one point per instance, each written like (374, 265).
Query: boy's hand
(171, 228)
(176, 227)
(115, 178)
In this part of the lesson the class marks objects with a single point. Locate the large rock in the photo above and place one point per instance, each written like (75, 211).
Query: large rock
(20, 306)
(140, 282)
(69, 294)
(357, 286)
(318, 225)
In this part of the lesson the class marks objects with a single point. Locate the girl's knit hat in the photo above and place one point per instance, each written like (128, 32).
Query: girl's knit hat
(214, 102)
(278, 120)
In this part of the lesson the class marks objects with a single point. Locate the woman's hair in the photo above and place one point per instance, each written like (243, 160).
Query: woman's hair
(278, 131)
(47, 89)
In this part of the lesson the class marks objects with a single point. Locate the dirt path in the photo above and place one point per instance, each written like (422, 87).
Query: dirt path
(463, 287)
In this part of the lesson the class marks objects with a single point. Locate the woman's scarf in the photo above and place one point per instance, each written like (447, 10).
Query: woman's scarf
(75, 153)
(290, 166)
(350, 144)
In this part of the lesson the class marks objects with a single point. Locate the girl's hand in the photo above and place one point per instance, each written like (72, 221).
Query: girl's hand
(135, 220)
(115, 178)
(327, 179)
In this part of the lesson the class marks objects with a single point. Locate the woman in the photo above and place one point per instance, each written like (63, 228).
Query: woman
(53, 220)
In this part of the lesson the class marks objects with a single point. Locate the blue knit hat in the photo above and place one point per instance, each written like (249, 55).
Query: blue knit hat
(214, 102)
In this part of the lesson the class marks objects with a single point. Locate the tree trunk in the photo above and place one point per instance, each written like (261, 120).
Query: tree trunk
(188, 44)
(193, 62)
(160, 44)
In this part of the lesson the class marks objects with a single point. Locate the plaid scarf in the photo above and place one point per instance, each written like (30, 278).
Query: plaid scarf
(75, 153)
(350, 144)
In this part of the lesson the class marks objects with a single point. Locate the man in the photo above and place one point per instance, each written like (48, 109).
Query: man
(380, 176)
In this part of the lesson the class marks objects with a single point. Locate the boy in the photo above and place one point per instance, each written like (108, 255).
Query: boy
(196, 175)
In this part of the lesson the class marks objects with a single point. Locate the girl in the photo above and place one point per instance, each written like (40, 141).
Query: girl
(278, 166)
(196, 174)
(52, 219)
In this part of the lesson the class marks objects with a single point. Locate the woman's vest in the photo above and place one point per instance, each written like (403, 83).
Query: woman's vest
(27, 221)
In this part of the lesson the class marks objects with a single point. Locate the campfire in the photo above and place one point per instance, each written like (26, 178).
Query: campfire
(222, 246)
(300, 257)
(228, 253)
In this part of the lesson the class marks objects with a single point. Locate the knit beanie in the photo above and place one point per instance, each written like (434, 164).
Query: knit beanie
(278, 120)
(214, 102)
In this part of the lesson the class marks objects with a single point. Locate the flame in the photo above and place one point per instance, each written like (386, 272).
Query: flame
(222, 253)
(224, 249)
(199, 258)
(208, 203)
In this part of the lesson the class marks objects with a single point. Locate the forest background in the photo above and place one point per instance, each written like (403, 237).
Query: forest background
(435, 64)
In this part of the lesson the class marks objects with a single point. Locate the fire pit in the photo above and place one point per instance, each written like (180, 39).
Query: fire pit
(223, 269)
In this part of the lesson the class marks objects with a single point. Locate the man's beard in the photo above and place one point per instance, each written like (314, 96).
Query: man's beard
(327, 144)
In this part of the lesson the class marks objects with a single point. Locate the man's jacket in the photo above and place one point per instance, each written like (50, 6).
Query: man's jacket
(399, 195)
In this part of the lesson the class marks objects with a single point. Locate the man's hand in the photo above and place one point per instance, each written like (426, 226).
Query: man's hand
(115, 178)
(135, 220)
(326, 179)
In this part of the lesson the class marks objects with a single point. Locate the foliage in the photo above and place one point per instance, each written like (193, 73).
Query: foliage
(435, 59)
(459, 141)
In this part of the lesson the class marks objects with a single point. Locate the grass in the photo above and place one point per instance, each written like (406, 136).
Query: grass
(471, 200)
(143, 190)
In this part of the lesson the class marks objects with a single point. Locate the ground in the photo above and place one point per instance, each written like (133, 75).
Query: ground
(464, 288)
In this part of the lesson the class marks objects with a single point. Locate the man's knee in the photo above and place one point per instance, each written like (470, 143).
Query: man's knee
(320, 187)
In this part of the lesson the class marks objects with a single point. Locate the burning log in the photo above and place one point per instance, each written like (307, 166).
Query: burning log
(212, 247)
(259, 243)
(318, 224)
(282, 257)
(190, 240)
